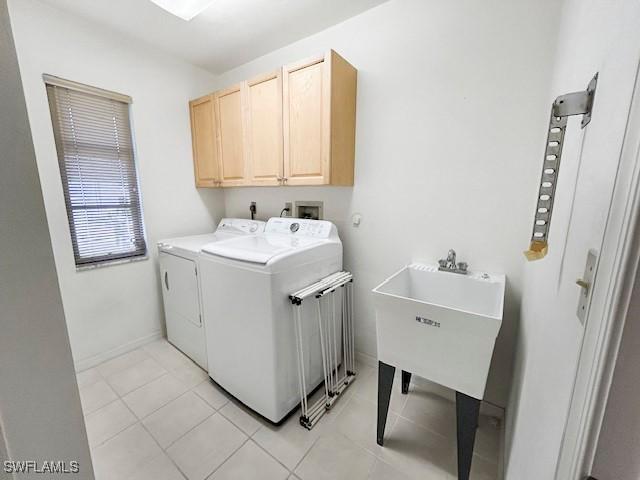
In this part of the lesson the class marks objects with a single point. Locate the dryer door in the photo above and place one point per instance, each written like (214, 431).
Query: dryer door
(180, 287)
(182, 306)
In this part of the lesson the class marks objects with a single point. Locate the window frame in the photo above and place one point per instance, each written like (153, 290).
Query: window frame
(136, 208)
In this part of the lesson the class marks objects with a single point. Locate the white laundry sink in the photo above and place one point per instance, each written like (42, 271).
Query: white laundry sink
(440, 325)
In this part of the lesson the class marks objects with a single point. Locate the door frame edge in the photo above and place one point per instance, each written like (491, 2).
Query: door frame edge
(623, 241)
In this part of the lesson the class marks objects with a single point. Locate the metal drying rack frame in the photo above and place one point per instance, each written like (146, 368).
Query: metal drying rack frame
(335, 380)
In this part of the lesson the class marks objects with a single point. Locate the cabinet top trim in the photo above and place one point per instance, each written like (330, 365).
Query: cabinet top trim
(265, 77)
(307, 62)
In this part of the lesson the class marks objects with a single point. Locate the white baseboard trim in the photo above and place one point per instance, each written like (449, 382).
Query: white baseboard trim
(501, 449)
(491, 410)
(486, 408)
(366, 359)
(90, 362)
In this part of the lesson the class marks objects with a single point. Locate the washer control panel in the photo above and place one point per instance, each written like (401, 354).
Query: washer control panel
(299, 227)
(241, 225)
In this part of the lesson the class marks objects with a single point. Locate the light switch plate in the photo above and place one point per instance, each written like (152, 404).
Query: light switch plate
(585, 292)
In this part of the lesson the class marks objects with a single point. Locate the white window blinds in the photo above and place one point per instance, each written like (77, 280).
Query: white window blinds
(97, 166)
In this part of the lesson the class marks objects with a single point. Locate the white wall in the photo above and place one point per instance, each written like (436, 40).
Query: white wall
(4, 475)
(40, 413)
(618, 454)
(452, 99)
(595, 35)
(115, 307)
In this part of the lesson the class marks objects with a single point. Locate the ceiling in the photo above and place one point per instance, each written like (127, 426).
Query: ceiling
(227, 34)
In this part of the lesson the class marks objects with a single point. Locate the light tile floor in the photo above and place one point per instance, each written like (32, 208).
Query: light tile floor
(152, 414)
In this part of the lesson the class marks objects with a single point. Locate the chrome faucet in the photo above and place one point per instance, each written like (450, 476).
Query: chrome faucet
(449, 264)
(451, 259)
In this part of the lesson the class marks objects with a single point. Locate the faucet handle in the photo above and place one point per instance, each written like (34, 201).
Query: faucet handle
(442, 262)
(463, 266)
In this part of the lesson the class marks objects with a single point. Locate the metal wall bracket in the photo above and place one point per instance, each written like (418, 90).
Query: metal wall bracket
(586, 283)
(576, 103)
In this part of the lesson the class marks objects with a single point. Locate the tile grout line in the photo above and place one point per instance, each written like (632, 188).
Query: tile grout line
(106, 379)
(438, 434)
(139, 421)
(138, 387)
(235, 424)
(164, 452)
(269, 454)
(173, 400)
(422, 427)
(331, 422)
(97, 367)
(305, 454)
(390, 427)
(146, 384)
(317, 439)
(119, 431)
(190, 430)
(205, 400)
(248, 439)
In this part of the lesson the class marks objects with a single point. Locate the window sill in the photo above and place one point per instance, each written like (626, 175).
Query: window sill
(111, 263)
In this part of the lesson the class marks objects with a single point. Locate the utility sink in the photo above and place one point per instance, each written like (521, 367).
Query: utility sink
(440, 325)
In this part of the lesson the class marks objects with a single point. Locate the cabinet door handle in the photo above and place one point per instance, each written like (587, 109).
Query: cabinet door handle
(166, 280)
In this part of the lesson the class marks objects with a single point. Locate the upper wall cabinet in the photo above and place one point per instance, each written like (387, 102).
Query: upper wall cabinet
(295, 126)
(205, 149)
(263, 128)
(319, 113)
(231, 141)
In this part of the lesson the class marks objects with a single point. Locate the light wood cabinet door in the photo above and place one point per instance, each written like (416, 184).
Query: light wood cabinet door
(231, 155)
(295, 126)
(263, 129)
(203, 135)
(306, 110)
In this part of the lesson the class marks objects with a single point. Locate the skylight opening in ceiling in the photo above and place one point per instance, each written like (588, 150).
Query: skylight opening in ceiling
(185, 9)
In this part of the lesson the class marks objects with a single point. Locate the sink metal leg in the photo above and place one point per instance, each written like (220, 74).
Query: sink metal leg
(385, 383)
(406, 380)
(467, 412)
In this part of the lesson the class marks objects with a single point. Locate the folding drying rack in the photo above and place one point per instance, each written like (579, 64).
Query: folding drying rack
(338, 361)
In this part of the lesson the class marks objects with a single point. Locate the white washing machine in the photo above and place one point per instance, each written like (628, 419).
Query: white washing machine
(251, 346)
(180, 285)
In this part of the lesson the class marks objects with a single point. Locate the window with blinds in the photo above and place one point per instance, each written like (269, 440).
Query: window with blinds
(97, 165)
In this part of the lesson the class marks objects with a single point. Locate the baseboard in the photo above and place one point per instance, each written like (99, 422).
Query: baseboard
(491, 410)
(486, 408)
(90, 362)
(366, 359)
(501, 452)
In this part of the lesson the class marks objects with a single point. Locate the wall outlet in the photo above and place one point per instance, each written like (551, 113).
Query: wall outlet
(289, 205)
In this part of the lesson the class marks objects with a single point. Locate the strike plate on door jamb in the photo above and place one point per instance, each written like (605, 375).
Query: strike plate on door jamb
(576, 103)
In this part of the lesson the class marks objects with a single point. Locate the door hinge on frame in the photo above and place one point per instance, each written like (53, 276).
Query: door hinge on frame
(576, 103)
